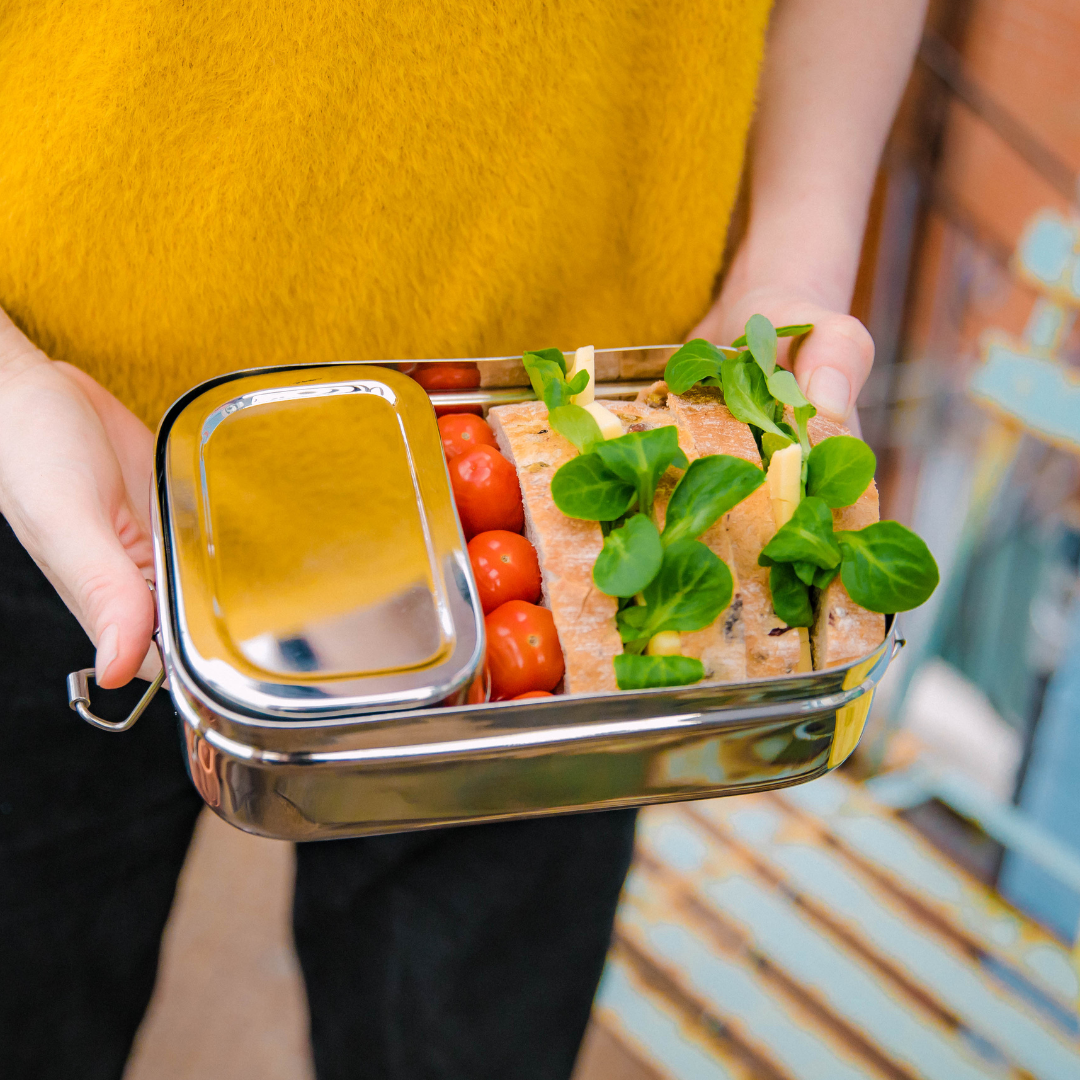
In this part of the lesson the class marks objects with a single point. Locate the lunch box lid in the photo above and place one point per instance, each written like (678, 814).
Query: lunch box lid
(307, 542)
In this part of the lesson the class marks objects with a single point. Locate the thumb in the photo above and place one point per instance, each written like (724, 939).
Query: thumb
(833, 362)
(108, 592)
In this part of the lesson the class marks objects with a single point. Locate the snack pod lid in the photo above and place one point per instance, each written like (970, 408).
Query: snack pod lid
(310, 561)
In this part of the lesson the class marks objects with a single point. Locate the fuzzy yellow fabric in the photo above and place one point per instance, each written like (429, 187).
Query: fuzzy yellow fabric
(191, 188)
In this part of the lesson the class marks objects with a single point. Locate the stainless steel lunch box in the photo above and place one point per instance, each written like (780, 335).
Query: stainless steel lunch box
(318, 626)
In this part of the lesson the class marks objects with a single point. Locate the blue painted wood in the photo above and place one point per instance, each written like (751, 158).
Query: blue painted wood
(888, 845)
(797, 946)
(1033, 390)
(651, 1029)
(1003, 1019)
(735, 993)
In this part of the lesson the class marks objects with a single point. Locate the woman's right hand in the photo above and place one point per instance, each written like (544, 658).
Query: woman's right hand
(75, 471)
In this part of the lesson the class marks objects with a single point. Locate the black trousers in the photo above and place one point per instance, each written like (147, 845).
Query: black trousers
(457, 954)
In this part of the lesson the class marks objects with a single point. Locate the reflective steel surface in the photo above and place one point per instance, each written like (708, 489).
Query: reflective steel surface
(287, 601)
(310, 547)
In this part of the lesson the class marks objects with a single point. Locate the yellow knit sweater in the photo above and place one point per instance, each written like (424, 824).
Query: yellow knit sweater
(190, 188)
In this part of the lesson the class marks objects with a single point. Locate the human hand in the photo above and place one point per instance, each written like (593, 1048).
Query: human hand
(75, 470)
(830, 364)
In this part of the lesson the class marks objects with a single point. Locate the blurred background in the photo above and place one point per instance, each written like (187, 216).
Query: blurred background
(915, 915)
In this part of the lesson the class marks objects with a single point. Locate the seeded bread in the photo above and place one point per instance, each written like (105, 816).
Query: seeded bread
(842, 630)
(771, 648)
(566, 547)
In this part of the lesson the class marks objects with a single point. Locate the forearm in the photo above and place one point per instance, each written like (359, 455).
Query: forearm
(834, 73)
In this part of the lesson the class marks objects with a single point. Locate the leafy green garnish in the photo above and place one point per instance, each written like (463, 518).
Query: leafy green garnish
(709, 488)
(630, 558)
(547, 373)
(790, 596)
(886, 567)
(586, 488)
(761, 341)
(696, 360)
(807, 537)
(691, 589)
(576, 424)
(794, 330)
(770, 443)
(746, 394)
(641, 672)
(839, 470)
(553, 356)
(641, 458)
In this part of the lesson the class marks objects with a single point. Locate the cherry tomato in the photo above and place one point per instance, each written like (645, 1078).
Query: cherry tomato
(459, 410)
(505, 567)
(486, 491)
(447, 376)
(523, 650)
(462, 432)
(533, 694)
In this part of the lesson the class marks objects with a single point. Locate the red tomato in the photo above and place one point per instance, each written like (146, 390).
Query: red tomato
(486, 491)
(447, 376)
(523, 650)
(462, 432)
(533, 694)
(505, 567)
(458, 410)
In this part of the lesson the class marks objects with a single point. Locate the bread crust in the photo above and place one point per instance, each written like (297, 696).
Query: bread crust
(566, 547)
(770, 647)
(842, 630)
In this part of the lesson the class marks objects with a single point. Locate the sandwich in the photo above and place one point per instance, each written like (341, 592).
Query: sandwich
(714, 529)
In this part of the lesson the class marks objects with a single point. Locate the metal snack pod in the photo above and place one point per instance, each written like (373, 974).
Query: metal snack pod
(319, 625)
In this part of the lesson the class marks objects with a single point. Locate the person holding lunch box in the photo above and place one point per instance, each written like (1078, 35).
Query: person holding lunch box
(190, 189)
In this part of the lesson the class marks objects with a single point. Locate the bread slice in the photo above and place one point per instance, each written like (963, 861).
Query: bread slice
(842, 630)
(566, 547)
(771, 647)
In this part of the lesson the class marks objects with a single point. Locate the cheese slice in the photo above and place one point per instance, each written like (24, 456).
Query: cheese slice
(584, 360)
(785, 482)
(609, 424)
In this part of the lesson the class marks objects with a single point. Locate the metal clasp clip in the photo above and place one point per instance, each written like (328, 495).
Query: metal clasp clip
(78, 690)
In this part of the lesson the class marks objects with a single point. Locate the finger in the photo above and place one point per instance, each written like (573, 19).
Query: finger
(98, 579)
(832, 364)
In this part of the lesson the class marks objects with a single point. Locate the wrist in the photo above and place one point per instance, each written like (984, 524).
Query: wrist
(809, 250)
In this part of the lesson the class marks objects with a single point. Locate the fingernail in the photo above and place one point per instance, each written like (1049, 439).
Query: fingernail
(106, 652)
(830, 390)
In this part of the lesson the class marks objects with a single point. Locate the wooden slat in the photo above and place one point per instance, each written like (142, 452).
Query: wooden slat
(918, 1044)
(738, 989)
(655, 1034)
(928, 967)
(939, 895)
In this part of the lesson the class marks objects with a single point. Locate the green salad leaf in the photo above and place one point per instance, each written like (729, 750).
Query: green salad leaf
(794, 330)
(576, 424)
(691, 589)
(641, 672)
(631, 623)
(761, 341)
(586, 488)
(546, 369)
(807, 537)
(641, 458)
(746, 394)
(696, 360)
(887, 567)
(790, 596)
(709, 488)
(630, 558)
(839, 470)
